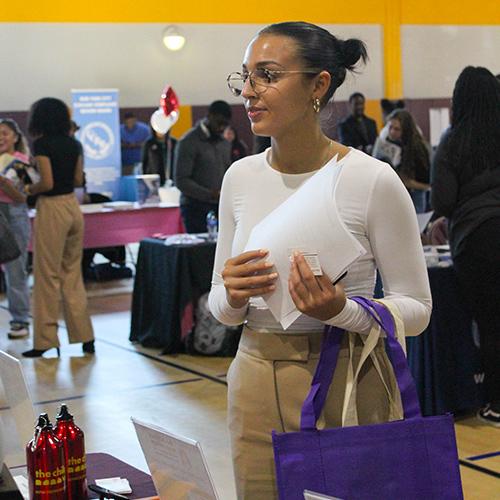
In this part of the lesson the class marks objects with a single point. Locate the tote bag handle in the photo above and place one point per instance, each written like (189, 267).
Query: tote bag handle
(315, 400)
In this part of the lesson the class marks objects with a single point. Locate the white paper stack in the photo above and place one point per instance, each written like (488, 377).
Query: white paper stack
(307, 219)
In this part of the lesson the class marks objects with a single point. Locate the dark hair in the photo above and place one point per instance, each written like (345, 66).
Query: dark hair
(389, 106)
(49, 116)
(354, 95)
(128, 115)
(20, 144)
(322, 51)
(220, 108)
(414, 154)
(475, 122)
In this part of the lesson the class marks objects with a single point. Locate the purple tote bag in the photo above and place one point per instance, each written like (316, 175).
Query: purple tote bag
(411, 459)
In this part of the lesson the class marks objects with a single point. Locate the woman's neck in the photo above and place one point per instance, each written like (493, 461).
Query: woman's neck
(303, 151)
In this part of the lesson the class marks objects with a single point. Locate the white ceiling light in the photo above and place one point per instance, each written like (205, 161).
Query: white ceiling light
(173, 38)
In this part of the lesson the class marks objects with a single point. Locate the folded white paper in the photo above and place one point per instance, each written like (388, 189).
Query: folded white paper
(115, 484)
(308, 218)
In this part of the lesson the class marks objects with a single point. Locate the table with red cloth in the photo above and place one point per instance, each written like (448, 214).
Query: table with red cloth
(108, 227)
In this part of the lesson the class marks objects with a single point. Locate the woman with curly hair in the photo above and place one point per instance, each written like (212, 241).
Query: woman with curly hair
(58, 239)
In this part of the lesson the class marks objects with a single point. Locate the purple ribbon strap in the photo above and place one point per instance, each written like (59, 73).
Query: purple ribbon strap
(315, 400)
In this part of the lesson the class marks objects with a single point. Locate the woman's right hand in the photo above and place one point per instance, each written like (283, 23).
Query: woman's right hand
(247, 275)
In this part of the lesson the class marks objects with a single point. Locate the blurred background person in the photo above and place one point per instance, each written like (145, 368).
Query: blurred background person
(58, 235)
(238, 148)
(466, 189)
(15, 209)
(158, 155)
(412, 160)
(133, 134)
(357, 130)
(201, 159)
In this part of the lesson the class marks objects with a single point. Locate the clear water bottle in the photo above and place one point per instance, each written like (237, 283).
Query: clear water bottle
(212, 225)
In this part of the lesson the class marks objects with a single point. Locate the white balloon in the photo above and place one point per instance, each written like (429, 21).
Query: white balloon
(162, 123)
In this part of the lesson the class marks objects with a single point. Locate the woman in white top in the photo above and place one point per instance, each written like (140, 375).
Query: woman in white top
(290, 71)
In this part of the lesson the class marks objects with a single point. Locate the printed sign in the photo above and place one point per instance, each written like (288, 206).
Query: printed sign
(97, 114)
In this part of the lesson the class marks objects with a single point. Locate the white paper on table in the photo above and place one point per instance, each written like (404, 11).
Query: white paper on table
(311, 495)
(308, 218)
(423, 219)
(118, 485)
(177, 464)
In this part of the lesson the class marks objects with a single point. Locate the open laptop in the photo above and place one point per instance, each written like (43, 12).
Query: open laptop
(177, 464)
(17, 416)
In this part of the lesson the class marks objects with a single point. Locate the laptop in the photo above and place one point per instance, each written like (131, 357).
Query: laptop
(17, 422)
(177, 464)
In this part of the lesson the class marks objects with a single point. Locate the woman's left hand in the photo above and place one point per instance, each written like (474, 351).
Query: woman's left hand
(314, 296)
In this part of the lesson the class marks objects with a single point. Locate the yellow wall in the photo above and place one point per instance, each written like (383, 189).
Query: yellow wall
(259, 11)
(184, 123)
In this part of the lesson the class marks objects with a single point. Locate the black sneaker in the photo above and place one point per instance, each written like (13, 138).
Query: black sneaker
(488, 416)
(18, 330)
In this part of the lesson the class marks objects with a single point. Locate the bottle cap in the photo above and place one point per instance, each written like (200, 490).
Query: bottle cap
(64, 414)
(43, 421)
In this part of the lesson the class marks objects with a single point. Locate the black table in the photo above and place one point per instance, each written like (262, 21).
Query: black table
(101, 465)
(168, 281)
(444, 359)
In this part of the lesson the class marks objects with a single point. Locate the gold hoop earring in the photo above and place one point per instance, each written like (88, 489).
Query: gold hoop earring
(316, 105)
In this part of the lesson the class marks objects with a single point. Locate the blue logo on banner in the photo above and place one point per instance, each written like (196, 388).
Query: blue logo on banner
(97, 140)
(97, 114)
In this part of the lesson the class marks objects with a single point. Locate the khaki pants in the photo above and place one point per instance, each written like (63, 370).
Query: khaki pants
(58, 247)
(267, 384)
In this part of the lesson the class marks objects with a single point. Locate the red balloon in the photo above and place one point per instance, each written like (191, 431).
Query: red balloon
(169, 101)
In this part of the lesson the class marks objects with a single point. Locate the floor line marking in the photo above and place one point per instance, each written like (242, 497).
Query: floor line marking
(164, 362)
(154, 358)
(81, 396)
(485, 455)
(478, 468)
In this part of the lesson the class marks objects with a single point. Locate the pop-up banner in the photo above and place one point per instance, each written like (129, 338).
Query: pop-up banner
(97, 114)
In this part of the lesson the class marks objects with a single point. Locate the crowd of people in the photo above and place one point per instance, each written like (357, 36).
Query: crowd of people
(290, 72)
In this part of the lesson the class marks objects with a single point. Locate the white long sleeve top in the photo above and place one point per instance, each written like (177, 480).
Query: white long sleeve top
(377, 210)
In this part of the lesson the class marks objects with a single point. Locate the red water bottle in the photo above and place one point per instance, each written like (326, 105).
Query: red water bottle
(72, 439)
(45, 459)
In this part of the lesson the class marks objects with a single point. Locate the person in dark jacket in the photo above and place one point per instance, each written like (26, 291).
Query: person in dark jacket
(201, 160)
(357, 130)
(466, 189)
(158, 155)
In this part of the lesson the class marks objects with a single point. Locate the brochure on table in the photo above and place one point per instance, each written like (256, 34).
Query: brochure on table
(307, 219)
(177, 464)
(20, 419)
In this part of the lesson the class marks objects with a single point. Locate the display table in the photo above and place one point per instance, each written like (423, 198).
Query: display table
(168, 281)
(444, 359)
(103, 465)
(105, 227)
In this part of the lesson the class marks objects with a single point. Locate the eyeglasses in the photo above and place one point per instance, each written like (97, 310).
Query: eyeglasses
(260, 79)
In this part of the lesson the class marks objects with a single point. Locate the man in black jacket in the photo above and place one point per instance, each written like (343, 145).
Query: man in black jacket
(202, 157)
(357, 130)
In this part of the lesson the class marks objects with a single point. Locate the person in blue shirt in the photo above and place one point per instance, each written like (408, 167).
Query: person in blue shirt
(133, 134)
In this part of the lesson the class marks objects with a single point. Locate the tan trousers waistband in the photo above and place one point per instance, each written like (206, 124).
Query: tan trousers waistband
(284, 346)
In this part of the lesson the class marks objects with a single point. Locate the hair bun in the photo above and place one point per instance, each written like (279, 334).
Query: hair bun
(353, 50)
